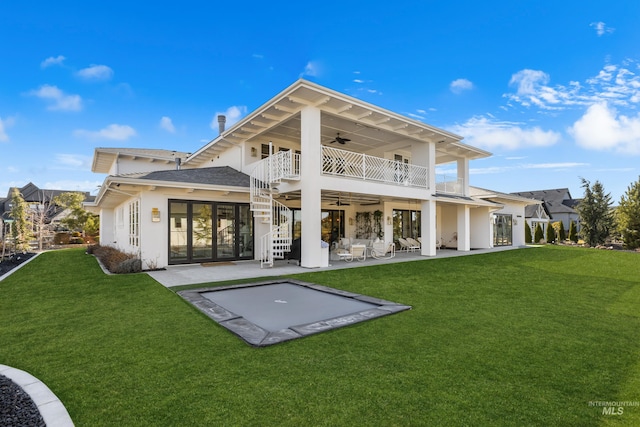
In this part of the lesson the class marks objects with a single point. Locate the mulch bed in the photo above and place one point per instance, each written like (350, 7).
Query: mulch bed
(17, 409)
(11, 262)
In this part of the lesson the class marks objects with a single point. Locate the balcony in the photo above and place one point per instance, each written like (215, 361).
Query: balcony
(345, 163)
(452, 185)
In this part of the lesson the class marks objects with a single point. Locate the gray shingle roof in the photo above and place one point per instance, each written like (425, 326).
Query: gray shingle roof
(220, 175)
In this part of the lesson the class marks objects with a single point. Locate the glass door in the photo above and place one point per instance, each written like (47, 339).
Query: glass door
(178, 237)
(502, 230)
(226, 231)
(201, 232)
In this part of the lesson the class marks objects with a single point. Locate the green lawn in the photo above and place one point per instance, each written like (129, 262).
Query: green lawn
(522, 337)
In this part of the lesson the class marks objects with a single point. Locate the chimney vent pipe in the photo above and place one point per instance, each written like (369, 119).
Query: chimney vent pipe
(221, 122)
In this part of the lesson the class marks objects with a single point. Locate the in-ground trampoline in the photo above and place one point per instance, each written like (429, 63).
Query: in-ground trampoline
(271, 312)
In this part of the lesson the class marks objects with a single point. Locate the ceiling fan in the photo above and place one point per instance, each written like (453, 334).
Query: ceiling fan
(340, 202)
(340, 140)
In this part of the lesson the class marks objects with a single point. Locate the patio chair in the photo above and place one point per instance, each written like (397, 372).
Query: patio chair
(358, 252)
(406, 246)
(414, 242)
(382, 250)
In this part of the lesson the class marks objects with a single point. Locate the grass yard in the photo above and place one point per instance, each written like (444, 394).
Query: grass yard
(522, 337)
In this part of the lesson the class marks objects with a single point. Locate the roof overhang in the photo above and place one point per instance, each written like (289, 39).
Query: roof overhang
(368, 126)
(117, 189)
(104, 158)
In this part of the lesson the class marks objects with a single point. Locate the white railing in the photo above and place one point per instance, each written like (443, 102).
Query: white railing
(449, 185)
(362, 166)
(269, 171)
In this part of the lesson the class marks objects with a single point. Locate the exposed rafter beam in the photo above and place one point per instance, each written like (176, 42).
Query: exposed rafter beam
(285, 109)
(344, 108)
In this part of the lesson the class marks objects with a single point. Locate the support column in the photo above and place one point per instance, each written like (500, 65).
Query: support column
(463, 173)
(428, 227)
(310, 168)
(464, 240)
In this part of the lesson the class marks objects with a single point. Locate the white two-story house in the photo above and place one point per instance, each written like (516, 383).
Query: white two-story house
(309, 165)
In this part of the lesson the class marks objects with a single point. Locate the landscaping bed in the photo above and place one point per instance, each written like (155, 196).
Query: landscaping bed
(13, 261)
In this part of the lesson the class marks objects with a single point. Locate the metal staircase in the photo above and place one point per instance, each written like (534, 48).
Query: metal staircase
(268, 173)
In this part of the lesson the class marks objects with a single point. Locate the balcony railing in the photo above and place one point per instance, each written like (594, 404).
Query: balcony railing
(362, 166)
(449, 185)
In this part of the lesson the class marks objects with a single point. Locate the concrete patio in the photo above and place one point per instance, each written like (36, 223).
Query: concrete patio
(189, 274)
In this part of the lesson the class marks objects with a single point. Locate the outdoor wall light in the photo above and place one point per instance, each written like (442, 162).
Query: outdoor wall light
(388, 220)
(350, 221)
(254, 152)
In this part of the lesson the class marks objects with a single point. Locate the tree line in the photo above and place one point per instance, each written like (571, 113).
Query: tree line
(26, 222)
(598, 220)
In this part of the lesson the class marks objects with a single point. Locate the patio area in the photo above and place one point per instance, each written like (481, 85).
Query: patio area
(188, 274)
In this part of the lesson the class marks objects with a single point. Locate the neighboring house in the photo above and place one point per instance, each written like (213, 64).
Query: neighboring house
(304, 166)
(557, 205)
(40, 203)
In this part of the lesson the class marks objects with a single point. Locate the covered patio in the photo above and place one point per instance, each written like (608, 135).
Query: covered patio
(188, 274)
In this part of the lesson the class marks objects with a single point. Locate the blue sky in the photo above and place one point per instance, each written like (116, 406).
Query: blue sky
(551, 88)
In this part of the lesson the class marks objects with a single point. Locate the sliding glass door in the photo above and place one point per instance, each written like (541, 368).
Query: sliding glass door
(209, 231)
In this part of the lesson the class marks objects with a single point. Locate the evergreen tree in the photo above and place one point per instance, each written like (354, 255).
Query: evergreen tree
(573, 232)
(78, 218)
(538, 236)
(595, 213)
(21, 227)
(527, 233)
(551, 233)
(562, 234)
(628, 215)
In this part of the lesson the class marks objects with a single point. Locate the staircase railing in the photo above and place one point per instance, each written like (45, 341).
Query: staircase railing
(267, 173)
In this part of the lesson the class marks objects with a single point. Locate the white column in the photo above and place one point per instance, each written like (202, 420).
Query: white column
(463, 173)
(107, 226)
(464, 241)
(431, 168)
(310, 203)
(428, 227)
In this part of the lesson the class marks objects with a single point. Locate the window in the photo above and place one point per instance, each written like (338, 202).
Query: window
(406, 223)
(265, 151)
(134, 223)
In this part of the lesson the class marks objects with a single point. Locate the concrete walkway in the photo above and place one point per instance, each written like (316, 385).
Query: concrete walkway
(51, 408)
(178, 275)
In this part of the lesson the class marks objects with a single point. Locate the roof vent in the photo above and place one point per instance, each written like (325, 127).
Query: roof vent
(221, 122)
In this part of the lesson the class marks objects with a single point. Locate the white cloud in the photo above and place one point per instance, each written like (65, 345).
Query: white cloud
(4, 125)
(69, 185)
(460, 85)
(96, 72)
(74, 161)
(113, 132)
(167, 124)
(58, 60)
(504, 169)
(601, 28)
(61, 101)
(233, 114)
(602, 128)
(312, 69)
(492, 134)
(614, 84)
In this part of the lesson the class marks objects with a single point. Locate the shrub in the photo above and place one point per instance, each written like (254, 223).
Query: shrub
(538, 236)
(115, 260)
(562, 234)
(573, 232)
(527, 233)
(61, 238)
(551, 233)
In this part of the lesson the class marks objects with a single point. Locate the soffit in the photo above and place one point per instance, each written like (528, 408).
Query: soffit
(367, 126)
